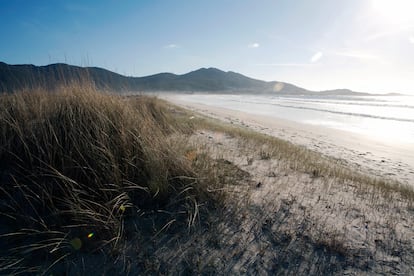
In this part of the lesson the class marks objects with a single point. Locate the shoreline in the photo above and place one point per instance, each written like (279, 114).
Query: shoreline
(387, 161)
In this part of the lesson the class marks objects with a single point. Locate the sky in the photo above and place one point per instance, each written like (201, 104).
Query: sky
(363, 45)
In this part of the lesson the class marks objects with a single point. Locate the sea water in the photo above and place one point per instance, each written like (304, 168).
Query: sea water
(384, 118)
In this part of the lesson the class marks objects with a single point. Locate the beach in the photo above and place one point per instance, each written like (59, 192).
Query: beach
(379, 158)
(300, 203)
(191, 194)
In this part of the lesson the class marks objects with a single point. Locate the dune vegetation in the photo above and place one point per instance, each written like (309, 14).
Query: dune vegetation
(75, 165)
(95, 183)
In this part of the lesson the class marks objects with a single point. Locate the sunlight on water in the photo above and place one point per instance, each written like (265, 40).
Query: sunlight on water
(389, 131)
(386, 131)
(383, 118)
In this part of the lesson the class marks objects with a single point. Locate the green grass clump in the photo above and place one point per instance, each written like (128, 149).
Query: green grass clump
(75, 164)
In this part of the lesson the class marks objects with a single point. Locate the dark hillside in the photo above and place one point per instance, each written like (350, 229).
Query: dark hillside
(51, 77)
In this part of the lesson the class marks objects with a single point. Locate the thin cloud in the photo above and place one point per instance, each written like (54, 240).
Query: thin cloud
(253, 45)
(285, 64)
(171, 46)
(411, 39)
(356, 54)
(316, 57)
(389, 32)
(379, 35)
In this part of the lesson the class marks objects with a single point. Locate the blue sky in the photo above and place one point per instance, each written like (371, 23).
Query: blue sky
(364, 45)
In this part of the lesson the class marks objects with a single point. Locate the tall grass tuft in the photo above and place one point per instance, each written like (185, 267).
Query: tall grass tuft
(74, 164)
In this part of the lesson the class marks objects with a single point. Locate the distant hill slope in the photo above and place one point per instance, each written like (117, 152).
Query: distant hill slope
(18, 77)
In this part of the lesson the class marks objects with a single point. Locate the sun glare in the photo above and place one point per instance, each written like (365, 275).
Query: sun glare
(397, 11)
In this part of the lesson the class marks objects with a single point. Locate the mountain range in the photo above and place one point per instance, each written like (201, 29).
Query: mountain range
(49, 77)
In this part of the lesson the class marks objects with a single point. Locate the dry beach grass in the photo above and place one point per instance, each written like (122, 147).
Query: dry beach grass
(96, 183)
(76, 164)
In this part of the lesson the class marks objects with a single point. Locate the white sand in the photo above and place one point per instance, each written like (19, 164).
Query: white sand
(390, 160)
(279, 208)
(278, 220)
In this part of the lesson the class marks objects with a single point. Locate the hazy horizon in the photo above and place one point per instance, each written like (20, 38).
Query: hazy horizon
(365, 46)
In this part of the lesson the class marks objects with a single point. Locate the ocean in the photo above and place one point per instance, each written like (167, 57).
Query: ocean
(383, 118)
